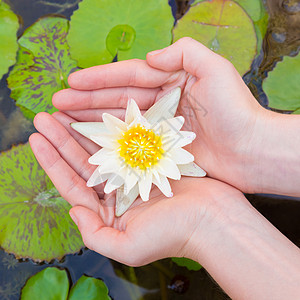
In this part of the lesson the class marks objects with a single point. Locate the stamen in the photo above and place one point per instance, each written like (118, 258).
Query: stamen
(140, 147)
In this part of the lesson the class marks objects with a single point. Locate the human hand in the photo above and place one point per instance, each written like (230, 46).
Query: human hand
(216, 103)
(148, 231)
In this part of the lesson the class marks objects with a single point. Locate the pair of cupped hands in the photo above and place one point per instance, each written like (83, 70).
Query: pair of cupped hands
(216, 105)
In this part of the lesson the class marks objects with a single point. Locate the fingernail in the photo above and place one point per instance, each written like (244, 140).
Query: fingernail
(73, 217)
(156, 52)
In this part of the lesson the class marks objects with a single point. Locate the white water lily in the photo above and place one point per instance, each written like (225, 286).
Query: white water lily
(140, 151)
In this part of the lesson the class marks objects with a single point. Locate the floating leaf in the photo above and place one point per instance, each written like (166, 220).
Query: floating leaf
(188, 263)
(34, 219)
(43, 65)
(100, 30)
(89, 288)
(282, 85)
(9, 26)
(52, 283)
(257, 12)
(224, 27)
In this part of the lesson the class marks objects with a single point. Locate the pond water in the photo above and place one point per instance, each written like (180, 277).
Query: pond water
(162, 280)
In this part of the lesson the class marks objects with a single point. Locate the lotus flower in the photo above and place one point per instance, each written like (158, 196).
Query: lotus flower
(141, 151)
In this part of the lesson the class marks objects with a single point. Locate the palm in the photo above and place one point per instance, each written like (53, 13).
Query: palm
(145, 228)
(219, 108)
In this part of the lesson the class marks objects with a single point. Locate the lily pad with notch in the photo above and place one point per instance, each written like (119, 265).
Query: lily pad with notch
(257, 12)
(224, 27)
(43, 65)
(34, 219)
(100, 30)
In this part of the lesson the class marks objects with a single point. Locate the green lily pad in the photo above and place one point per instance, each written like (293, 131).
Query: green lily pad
(257, 12)
(89, 288)
(53, 283)
(222, 26)
(34, 219)
(282, 85)
(188, 263)
(100, 30)
(9, 25)
(43, 65)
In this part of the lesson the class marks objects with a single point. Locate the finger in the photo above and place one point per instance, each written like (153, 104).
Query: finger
(84, 142)
(95, 115)
(134, 72)
(186, 54)
(69, 184)
(66, 146)
(107, 241)
(70, 99)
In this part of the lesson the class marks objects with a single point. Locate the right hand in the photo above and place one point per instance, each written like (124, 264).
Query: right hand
(215, 102)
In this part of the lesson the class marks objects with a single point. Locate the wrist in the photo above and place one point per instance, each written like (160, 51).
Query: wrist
(212, 217)
(272, 164)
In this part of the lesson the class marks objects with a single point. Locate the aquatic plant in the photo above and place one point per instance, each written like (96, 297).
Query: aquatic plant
(34, 219)
(282, 85)
(53, 283)
(9, 25)
(224, 27)
(43, 65)
(100, 30)
(140, 151)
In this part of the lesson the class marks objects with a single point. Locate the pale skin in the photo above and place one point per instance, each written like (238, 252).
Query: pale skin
(243, 148)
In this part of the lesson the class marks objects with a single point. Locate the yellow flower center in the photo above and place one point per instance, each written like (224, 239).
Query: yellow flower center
(140, 147)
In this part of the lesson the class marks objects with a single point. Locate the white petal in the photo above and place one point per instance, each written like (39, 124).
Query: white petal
(131, 179)
(181, 139)
(113, 124)
(167, 167)
(100, 156)
(155, 174)
(181, 156)
(132, 111)
(105, 140)
(140, 120)
(170, 126)
(111, 165)
(145, 184)
(192, 170)
(89, 128)
(164, 108)
(113, 182)
(97, 178)
(164, 185)
(123, 201)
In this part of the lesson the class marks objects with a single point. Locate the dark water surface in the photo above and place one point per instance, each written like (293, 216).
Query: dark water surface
(155, 281)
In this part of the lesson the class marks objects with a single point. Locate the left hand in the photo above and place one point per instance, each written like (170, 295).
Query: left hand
(148, 231)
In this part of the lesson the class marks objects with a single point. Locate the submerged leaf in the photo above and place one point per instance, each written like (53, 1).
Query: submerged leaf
(282, 85)
(34, 219)
(100, 30)
(9, 26)
(224, 27)
(53, 283)
(43, 65)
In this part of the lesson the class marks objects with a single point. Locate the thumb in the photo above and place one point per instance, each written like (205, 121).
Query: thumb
(107, 241)
(186, 54)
